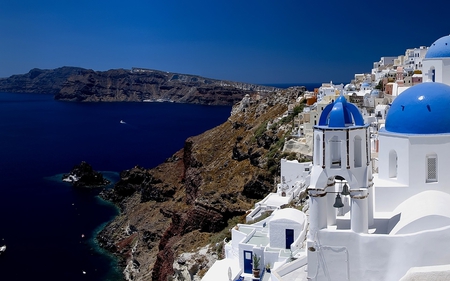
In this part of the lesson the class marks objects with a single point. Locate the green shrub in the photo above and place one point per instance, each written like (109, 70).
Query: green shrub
(260, 130)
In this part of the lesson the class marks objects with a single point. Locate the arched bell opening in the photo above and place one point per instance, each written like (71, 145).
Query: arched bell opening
(342, 195)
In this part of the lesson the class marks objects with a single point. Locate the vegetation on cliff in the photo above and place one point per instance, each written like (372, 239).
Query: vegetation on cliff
(195, 196)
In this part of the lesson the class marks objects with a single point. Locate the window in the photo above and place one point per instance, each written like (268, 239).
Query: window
(317, 150)
(392, 164)
(431, 168)
(357, 152)
(335, 152)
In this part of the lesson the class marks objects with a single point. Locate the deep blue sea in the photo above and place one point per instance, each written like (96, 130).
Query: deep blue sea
(43, 220)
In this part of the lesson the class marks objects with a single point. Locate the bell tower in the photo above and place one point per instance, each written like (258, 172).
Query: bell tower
(341, 150)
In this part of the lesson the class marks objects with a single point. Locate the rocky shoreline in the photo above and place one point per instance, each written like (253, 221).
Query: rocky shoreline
(188, 203)
(83, 175)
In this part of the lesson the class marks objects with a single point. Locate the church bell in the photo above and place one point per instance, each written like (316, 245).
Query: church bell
(345, 190)
(338, 202)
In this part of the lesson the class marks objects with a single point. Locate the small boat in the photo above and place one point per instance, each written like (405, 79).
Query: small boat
(122, 122)
(2, 249)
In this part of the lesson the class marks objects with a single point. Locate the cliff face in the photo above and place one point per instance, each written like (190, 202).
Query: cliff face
(187, 201)
(83, 85)
(38, 81)
(152, 85)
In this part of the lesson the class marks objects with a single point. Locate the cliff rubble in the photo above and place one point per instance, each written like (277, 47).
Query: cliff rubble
(196, 195)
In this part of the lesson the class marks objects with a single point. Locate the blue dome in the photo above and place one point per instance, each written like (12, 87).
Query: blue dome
(439, 49)
(375, 93)
(421, 109)
(350, 87)
(341, 114)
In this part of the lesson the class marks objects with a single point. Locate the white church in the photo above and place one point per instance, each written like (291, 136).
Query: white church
(394, 224)
(390, 225)
(436, 64)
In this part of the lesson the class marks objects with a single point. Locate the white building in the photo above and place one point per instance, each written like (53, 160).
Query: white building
(329, 89)
(390, 225)
(398, 219)
(414, 57)
(436, 64)
(381, 68)
(273, 240)
(384, 61)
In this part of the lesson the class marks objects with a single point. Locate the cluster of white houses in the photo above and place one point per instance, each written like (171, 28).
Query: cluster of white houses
(372, 214)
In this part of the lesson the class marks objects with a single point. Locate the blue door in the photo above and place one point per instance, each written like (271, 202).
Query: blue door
(289, 238)
(248, 261)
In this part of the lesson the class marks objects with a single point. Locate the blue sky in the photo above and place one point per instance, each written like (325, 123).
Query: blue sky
(255, 41)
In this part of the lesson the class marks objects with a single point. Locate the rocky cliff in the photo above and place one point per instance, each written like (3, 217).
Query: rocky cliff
(83, 175)
(136, 85)
(194, 197)
(38, 81)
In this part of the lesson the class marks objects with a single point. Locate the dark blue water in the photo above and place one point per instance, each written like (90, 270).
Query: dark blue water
(42, 220)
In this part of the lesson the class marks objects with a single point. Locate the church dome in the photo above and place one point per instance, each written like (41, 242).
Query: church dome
(375, 93)
(341, 114)
(439, 49)
(350, 87)
(421, 109)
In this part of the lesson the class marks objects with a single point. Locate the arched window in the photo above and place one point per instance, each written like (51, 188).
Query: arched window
(335, 152)
(431, 168)
(393, 164)
(357, 151)
(317, 147)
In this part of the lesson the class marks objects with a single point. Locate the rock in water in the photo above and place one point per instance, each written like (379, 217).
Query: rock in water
(84, 176)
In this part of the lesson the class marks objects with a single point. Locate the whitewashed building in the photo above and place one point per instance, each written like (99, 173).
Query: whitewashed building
(414, 58)
(329, 89)
(397, 219)
(389, 225)
(436, 64)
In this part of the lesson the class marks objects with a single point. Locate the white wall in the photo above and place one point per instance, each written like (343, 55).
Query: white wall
(293, 171)
(377, 257)
(400, 144)
(442, 70)
(387, 60)
(277, 232)
(411, 151)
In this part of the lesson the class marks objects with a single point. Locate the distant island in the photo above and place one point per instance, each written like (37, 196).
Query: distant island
(135, 85)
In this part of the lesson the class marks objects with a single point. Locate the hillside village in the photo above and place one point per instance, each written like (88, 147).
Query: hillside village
(374, 202)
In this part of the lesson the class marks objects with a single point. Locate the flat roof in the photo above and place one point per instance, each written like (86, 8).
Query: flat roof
(258, 239)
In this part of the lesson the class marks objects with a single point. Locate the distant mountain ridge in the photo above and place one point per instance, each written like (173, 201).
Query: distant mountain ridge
(38, 81)
(135, 85)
